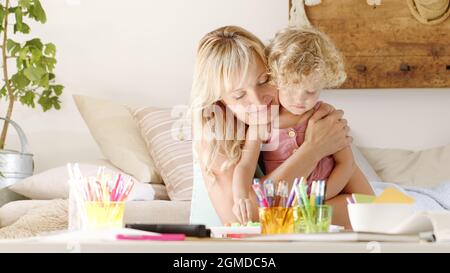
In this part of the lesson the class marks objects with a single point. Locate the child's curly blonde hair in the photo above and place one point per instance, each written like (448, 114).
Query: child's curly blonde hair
(296, 52)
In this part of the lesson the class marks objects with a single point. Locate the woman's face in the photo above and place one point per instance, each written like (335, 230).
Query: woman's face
(251, 98)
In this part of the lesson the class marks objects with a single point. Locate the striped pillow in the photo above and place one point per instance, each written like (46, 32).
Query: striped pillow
(168, 147)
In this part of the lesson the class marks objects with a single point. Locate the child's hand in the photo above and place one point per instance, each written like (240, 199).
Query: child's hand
(244, 209)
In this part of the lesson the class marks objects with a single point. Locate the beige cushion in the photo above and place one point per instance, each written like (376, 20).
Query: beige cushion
(156, 212)
(118, 137)
(172, 155)
(53, 184)
(425, 168)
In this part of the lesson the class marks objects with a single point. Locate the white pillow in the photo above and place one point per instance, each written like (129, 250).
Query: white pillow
(424, 168)
(52, 184)
(171, 153)
(364, 165)
(118, 137)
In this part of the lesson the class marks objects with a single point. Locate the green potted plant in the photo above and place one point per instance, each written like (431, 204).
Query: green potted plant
(30, 81)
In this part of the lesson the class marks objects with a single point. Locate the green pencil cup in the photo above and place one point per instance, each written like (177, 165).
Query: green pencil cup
(312, 219)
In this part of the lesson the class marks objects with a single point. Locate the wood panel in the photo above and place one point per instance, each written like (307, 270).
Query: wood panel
(385, 47)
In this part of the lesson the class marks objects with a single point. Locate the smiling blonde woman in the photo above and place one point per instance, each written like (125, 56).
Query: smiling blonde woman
(232, 91)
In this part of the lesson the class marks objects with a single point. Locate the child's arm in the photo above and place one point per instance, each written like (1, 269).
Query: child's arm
(358, 184)
(243, 208)
(344, 168)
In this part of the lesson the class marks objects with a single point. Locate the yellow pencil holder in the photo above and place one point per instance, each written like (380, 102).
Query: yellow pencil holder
(313, 219)
(276, 220)
(104, 215)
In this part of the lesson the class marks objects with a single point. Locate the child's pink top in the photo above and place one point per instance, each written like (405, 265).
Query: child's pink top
(290, 139)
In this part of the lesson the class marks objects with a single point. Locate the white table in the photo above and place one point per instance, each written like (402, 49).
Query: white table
(216, 246)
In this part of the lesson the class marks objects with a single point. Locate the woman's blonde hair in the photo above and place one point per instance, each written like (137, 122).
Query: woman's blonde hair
(296, 52)
(223, 56)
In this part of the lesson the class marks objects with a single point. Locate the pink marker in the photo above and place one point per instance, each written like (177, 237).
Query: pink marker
(114, 190)
(260, 194)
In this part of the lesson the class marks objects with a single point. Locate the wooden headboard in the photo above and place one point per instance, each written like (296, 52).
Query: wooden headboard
(385, 47)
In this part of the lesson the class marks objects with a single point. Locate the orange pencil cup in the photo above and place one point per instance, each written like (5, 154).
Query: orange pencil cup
(276, 220)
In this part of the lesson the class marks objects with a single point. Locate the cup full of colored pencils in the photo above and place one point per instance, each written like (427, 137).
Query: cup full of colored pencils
(296, 210)
(311, 215)
(98, 201)
(275, 211)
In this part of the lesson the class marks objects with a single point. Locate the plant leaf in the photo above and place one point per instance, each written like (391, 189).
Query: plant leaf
(50, 49)
(28, 99)
(12, 46)
(34, 74)
(45, 103)
(36, 42)
(19, 80)
(56, 103)
(23, 53)
(25, 28)
(58, 89)
(49, 63)
(37, 12)
(3, 91)
(19, 20)
(35, 55)
(2, 13)
(25, 3)
(44, 82)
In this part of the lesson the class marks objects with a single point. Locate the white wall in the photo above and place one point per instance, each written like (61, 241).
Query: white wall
(134, 51)
(142, 52)
(396, 118)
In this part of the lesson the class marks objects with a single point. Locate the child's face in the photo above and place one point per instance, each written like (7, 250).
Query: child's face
(301, 97)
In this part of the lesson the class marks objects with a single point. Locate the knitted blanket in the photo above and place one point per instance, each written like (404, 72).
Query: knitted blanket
(47, 218)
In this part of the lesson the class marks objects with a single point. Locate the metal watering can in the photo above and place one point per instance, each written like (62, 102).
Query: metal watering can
(15, 165)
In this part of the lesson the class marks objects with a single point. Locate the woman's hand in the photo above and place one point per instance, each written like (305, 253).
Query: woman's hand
(327, 131)
(244, 210)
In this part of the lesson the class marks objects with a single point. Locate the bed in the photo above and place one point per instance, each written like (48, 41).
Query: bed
(400, 138)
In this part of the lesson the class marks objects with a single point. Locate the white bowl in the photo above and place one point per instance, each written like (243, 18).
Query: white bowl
(379, 218)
